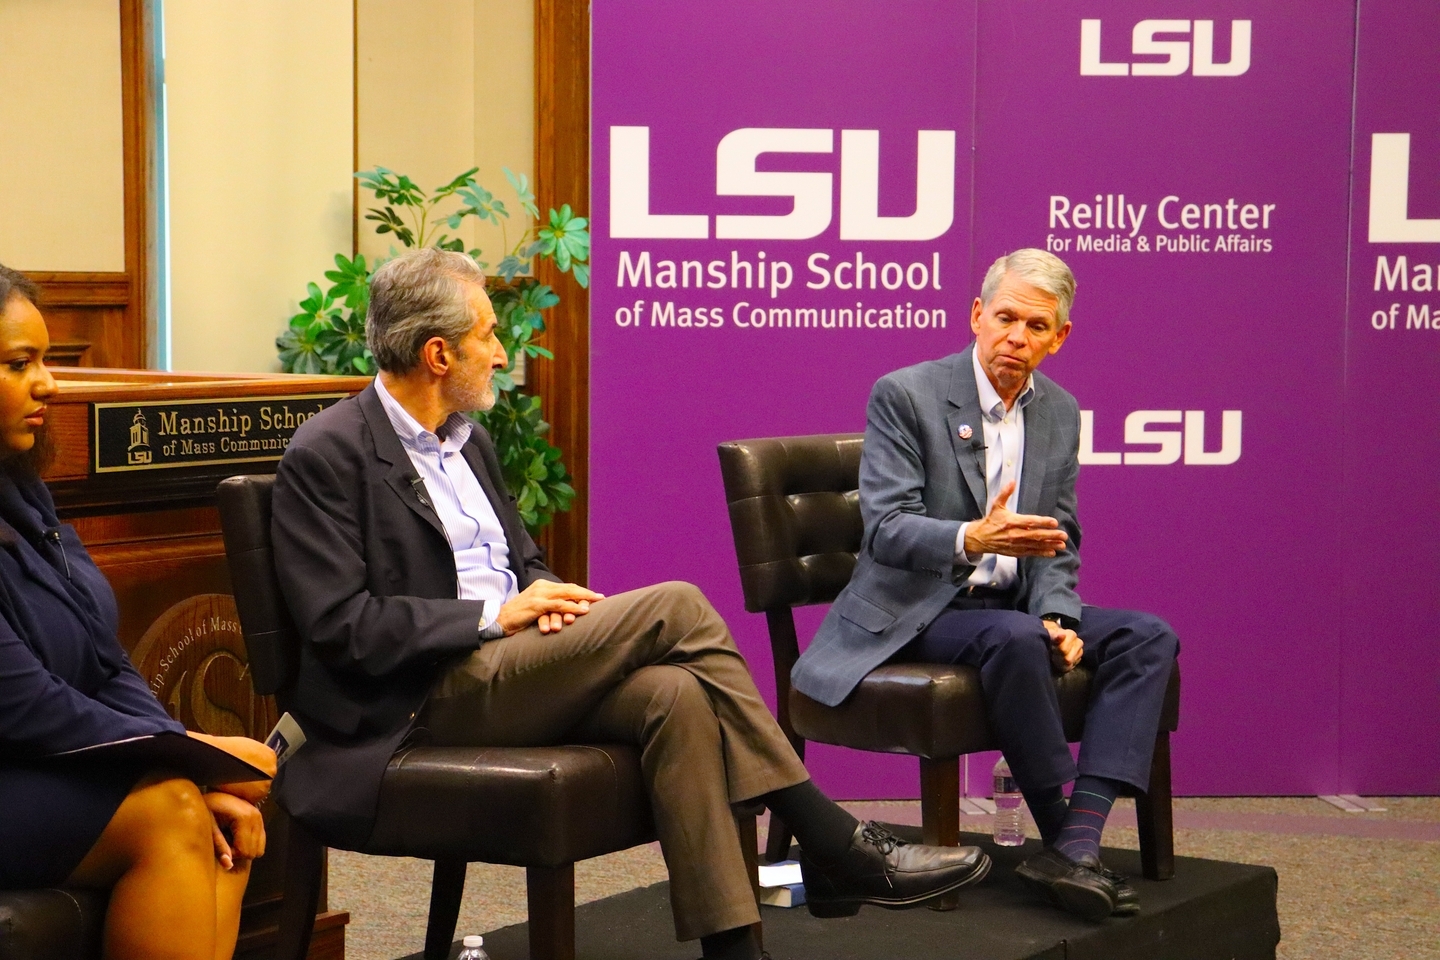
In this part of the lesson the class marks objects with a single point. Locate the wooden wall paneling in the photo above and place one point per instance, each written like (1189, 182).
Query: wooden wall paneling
(137, 105)
(562, 175)
(86, 316)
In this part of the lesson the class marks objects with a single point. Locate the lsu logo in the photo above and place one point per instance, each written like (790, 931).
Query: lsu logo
(1169, 435)
(736, 176)
(1195, 54)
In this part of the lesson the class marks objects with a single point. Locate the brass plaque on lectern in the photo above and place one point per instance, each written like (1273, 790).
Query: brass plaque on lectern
(193, 433)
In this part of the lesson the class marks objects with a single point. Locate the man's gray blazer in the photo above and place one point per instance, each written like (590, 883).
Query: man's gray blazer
(918, 482)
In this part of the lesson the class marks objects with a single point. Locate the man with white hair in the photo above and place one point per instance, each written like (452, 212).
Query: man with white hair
(971, 556)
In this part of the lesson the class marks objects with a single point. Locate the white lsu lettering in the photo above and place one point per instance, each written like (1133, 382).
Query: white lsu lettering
(1177, 53)
(1148, 428)
(735, 175)
(1390, 195)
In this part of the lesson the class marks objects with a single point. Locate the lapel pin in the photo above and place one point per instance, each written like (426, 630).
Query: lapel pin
(965, 432)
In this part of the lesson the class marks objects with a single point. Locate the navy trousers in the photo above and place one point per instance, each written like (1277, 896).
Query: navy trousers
(1131, 654)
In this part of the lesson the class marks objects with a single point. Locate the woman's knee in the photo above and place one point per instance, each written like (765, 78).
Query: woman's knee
(167, 812)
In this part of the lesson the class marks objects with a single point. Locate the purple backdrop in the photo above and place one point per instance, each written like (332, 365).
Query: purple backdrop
(1227, 480)
(1390, 732)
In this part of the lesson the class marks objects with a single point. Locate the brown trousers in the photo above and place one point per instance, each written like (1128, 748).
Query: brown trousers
(655, 667)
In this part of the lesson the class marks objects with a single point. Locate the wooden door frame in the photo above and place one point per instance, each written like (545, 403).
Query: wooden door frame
(103, 318)
(562, 175)
(137, 105)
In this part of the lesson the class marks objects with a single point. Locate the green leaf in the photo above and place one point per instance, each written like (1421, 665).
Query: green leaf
(566, 239)
(510, 266)
(521, 183)
(481, 203)
(456, 184)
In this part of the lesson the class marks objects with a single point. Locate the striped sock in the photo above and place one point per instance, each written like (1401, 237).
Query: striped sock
(1047, 807)
(1090, 804)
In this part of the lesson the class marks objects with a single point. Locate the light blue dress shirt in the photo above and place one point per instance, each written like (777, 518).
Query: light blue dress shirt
(482, 556)
(1004, 456)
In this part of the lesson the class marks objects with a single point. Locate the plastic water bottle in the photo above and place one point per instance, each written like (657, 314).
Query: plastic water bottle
(474, 949)
(1007, 832)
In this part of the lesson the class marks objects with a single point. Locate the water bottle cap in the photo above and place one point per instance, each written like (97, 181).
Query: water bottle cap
(473, 941)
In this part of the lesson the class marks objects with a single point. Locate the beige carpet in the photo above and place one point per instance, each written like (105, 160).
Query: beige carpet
(1352, 886)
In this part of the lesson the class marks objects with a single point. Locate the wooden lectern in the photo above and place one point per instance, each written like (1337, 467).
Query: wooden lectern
(139, 455)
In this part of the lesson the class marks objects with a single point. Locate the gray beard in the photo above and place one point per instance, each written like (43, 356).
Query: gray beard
(477, 399)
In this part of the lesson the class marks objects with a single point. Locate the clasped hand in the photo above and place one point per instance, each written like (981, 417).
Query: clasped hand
(1066, 647)
(1012, 534)
(233, 806)
(548, 605)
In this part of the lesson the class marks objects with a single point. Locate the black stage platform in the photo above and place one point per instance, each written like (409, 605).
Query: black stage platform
(1211, 910)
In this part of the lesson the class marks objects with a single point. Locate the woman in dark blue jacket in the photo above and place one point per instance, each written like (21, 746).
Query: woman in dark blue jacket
(154, 840)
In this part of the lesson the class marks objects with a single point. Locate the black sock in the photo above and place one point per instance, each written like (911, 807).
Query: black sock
(1047, 808)
(737, 943)
(1090, 804)
(820, 824)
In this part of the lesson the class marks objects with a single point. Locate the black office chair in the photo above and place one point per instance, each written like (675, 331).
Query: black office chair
(794, 508)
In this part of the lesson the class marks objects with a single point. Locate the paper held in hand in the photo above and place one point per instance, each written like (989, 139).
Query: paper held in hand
(197, 760)
(285, 739)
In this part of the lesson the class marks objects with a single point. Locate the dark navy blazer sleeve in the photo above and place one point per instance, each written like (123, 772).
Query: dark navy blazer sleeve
(41, 713)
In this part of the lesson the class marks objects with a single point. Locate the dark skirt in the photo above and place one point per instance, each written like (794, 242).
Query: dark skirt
(50, 818)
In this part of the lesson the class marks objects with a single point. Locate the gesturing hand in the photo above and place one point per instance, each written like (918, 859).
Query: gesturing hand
(548, 605)
(1012, 534)
(246, 825)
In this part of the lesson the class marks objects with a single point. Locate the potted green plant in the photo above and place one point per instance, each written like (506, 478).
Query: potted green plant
(327, 336)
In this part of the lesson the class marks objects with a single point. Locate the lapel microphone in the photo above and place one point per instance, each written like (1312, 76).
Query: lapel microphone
(52, 535)
(417, 485)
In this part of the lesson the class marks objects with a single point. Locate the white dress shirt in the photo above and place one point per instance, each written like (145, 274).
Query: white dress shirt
(482, 556)
(1004, 432)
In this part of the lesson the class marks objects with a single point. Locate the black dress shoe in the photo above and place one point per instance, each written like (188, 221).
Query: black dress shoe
(882, 869)
(1127, 901)
(1075, 887)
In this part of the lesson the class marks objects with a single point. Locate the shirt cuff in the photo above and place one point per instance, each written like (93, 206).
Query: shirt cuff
(490, 628)
(961, 557)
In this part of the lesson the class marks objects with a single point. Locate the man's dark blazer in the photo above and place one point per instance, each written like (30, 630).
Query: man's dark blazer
(370, 581)
(919, 481)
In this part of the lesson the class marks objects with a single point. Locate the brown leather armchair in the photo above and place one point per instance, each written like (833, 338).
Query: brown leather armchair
(795, 514)
(542, 808)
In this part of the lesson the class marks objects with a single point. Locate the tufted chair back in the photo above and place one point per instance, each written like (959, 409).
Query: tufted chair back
(795, 513)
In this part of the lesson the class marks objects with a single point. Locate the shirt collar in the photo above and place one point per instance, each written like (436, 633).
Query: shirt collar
(990, 403)
(455, 430)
